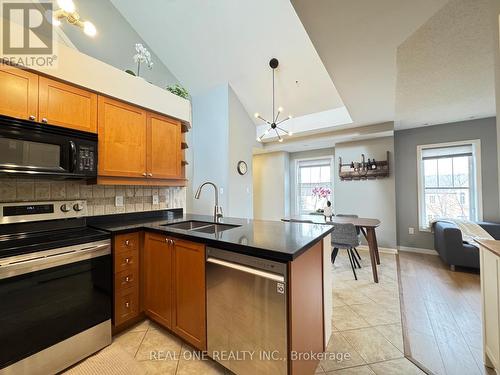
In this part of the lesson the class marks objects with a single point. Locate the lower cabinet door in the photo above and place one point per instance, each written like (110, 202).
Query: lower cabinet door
(126, 305)
(157, 270)
(189, 318)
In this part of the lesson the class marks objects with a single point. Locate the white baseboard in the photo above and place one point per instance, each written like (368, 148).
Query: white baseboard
(417, 250)
(386, 250)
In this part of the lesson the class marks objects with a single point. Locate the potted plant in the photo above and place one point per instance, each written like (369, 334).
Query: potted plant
(143, 56)
(179, 91)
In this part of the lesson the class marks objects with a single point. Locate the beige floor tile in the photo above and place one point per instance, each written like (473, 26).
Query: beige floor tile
(340, 354)
(130, 341)
(371, 345)
(195, 367)
(142, 326)
(345, 318)
(359, 370)
(393, 333)
(158, 340)
(396, 367)
(378, 314)
(158, 367)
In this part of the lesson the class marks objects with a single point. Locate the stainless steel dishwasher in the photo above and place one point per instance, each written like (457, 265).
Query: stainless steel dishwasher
(246, 313)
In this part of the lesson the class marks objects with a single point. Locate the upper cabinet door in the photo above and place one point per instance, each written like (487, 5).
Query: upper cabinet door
(122, 139)
(18, 93)
(164, 147)
(68, 106)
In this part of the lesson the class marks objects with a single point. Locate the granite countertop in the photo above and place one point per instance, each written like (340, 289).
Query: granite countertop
(273, 240)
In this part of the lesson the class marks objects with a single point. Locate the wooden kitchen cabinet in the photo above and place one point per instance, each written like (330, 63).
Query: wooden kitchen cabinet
(189, 318)
(18, 93)
(126, 272)
(122, 139)
(174, 286)
(164, 153)
(158, 278)
(67, 106)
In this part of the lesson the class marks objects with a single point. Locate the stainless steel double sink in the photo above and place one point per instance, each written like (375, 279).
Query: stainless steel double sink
(201, 226)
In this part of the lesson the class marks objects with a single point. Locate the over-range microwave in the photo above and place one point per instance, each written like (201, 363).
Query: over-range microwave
(41, 150)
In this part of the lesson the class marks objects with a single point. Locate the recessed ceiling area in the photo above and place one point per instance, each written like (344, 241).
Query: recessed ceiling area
(208, 43)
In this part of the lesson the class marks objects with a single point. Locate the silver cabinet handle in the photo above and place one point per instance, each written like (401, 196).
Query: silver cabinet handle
(127, 242)
(127, 305)
(245, 269)
(127, 260)
(144, 174)
(32, 118)
(127, 279)
(150, 175)
(44, 120)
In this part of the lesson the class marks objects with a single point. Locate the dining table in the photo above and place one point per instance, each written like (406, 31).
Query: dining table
(367, 227)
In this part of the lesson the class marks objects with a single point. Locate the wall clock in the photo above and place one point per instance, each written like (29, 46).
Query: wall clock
(242, 167)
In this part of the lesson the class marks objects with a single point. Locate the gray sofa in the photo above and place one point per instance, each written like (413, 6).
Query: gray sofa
(451, 248)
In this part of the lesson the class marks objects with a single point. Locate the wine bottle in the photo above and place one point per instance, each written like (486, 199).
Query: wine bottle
(352, 164)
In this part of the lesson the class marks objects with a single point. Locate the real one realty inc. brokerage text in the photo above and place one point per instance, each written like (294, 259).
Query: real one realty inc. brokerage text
(246, 355)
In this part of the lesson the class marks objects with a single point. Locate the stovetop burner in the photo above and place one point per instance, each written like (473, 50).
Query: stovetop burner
(32, 227)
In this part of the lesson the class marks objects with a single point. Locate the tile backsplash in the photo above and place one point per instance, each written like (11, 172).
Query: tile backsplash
(100, 198)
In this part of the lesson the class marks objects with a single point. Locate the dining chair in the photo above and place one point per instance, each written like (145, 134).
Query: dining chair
(357, 230)
(344, 236)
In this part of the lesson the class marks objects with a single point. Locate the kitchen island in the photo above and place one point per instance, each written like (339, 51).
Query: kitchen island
(243, 286)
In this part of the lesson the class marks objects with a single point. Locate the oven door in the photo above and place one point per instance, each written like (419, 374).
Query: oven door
(46, 151)
(52, 296)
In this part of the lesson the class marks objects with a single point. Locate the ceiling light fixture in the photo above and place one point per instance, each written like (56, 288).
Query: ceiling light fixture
(274, 124)
(67, 11)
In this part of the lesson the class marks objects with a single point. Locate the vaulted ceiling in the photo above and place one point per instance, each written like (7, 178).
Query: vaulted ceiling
(338, 58)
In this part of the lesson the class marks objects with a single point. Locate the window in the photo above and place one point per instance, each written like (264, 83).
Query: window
(449, 182)
(314, 184)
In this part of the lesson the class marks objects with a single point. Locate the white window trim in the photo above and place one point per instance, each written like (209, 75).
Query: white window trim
(297, 179)
(476, 147)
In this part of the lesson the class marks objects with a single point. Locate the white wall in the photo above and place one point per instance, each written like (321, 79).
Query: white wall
(370, 198)
(222, 134)
(115, 42)
(294, 157)
(241, 141)
(271, 197)
(208, 150)
(496, 40)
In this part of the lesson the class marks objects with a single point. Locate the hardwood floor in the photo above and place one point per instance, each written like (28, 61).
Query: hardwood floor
(441, 312)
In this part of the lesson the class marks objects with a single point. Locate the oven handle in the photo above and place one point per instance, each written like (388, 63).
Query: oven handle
(40, 262)
(72, 147)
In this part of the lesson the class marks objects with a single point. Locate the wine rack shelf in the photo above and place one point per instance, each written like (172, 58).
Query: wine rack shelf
(362, 170)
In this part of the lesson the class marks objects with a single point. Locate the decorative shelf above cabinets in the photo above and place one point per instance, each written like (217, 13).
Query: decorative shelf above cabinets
(364, 170)
(184, 145)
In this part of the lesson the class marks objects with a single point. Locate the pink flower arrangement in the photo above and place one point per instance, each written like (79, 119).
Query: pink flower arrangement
(321, 192)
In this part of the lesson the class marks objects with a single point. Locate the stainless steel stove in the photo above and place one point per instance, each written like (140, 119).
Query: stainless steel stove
(55, 287)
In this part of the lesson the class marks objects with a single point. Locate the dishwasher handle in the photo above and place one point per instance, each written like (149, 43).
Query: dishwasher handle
(245, 269)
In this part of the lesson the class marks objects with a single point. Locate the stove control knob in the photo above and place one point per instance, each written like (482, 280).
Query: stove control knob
(65, 208)
(78, 207)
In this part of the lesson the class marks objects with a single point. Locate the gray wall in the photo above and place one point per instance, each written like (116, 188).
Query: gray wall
(406, 142)
(271, 186)
(496, 45)
(222, 134)
(371, 198)
(294, 156)
(115, 40)
(241, 141)
(209, 149)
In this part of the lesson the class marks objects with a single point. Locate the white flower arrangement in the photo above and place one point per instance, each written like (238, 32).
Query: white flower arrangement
(142, 56)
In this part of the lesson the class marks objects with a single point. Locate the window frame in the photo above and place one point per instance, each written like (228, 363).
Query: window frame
(297, 179)
(476, 179)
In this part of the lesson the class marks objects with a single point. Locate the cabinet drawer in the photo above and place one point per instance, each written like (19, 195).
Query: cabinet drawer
(126, 260)
(126, 242)
(126, 279)
(126, 305)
